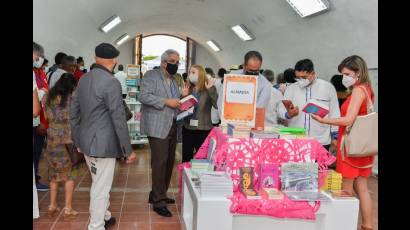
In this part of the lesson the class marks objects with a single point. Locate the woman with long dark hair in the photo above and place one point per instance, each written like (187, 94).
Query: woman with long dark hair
(56, 105)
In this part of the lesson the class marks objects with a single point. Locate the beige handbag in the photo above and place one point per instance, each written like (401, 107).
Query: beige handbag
(361, 138)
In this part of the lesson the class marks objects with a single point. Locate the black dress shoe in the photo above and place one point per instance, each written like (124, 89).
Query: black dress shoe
(163, 211)
(109, 223)
(167, 200)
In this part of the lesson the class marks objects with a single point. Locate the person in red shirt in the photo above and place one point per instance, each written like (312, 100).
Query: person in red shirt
(78, 73)
(40, 130)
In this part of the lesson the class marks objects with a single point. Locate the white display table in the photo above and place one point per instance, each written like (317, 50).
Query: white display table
(199, 213)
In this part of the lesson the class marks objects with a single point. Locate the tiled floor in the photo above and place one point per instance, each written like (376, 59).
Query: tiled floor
(128, 198)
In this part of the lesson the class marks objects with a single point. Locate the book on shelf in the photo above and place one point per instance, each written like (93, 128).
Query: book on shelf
(259, 119)
(340, 194)
(187, 102)
(238, 131)
(211, 148)
(215, 184)
(260, 134)
(299, 181)
(316, 107)
(247, 182)
(268, 176)
(271, 194)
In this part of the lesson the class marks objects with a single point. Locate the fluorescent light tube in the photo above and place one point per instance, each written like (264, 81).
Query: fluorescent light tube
(308, 7)
(110, 23)
(213, 46)
(242, 33)
(122, 39)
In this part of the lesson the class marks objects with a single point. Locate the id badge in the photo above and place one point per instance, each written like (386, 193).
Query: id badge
(193, 122)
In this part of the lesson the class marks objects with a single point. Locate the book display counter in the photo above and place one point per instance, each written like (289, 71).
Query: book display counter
(267, 183)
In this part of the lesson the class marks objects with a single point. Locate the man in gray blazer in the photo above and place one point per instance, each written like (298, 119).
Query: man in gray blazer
(100, 131)
(160, 100)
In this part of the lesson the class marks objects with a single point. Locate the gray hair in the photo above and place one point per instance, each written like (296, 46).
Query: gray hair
(269, 75)
(166, 54)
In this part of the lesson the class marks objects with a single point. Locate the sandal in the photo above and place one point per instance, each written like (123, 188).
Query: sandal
(69, 213)
(366, 228)
(52, 211)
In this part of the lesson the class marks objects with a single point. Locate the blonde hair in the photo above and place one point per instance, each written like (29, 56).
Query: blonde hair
(201, 77)
(358, 65)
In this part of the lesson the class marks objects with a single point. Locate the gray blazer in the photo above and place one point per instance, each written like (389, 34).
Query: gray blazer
(207, 100)
(97, 116)
(156, 117)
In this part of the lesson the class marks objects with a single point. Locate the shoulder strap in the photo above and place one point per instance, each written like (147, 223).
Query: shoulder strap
(49, 77)
(370, 107)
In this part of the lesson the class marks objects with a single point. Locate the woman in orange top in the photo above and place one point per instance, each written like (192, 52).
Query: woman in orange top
(355, 171)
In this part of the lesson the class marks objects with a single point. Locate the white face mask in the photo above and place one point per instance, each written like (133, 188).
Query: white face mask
(348, 81)
(303, 83)
(39, 62)
(193, 78)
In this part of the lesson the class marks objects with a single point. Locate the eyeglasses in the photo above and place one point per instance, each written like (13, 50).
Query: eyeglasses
(177, 63)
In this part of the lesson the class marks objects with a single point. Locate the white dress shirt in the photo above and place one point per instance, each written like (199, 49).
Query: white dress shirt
(272, 112)
(55, 77)
(325, 93)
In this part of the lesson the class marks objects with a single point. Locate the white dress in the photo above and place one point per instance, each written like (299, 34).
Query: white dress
(36, 213)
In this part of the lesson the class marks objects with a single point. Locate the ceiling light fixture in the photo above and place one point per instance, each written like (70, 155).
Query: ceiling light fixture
(110, 23)
(213, 46)
(122, 39)
(242, 33)
(308, 7)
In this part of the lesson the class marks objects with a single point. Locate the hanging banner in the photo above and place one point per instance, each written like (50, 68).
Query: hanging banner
(239, 99)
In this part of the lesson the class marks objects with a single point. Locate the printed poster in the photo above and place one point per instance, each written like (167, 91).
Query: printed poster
(239, 99)
(133, 71)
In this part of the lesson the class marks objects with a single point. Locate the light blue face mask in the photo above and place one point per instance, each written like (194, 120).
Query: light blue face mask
(46, 69)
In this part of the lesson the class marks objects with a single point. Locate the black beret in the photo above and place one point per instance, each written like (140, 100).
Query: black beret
(106, 51)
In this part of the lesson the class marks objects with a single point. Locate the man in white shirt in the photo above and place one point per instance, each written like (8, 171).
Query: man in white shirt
(252, 66)
(218, 85)
(272, 113)
(68, 65)
(121, 77)
(308, 87)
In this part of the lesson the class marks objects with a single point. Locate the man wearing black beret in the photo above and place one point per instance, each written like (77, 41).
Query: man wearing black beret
(100, 131)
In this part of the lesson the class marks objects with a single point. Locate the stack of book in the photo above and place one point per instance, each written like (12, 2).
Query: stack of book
(300, 182)
(333, 181)
(271, 194)
(340, 194)
(215, 184)
(263, 134)
(200, 165)
(238, 131)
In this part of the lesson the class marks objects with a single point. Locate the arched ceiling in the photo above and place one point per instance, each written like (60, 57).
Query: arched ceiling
(350, 27)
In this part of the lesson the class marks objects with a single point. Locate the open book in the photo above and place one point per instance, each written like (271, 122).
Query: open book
(315, 107)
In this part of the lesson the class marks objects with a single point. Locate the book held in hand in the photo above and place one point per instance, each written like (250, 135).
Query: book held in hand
(317, 108)
(187, 103)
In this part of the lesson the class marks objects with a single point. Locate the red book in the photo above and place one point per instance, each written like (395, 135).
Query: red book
(187, 102)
